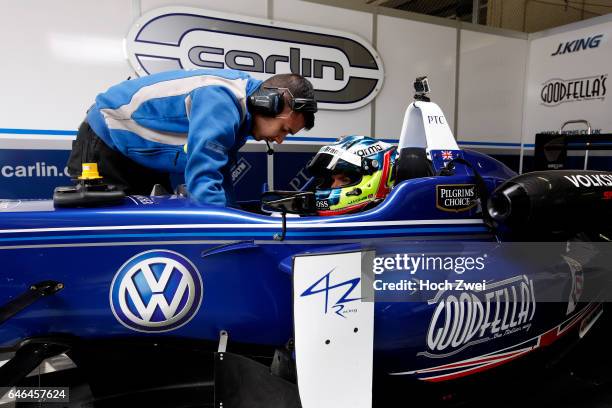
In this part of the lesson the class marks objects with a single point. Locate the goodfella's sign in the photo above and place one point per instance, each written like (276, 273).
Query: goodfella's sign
(345, 70)
(557, 91)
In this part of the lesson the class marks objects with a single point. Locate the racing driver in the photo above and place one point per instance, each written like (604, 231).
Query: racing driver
(353, 174)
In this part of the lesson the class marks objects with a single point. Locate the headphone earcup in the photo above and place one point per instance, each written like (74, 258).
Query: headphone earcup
(279, 103)
(267, 102)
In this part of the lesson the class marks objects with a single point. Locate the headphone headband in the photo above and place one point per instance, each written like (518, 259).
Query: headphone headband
(303, 105)
(270, 101)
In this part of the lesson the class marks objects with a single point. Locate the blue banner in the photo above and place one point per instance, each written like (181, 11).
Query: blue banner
(34, 174)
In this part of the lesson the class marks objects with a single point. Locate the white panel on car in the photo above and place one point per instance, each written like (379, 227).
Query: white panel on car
(334, 331)
(425, 126)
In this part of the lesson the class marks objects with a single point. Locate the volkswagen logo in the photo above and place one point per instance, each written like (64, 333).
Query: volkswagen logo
(156, 291)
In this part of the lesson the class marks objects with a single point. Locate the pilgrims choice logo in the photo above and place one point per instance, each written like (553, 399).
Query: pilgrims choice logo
(345, 71)
(455, 197)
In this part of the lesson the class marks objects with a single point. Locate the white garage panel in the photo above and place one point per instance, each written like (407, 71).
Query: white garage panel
(491, 75)
(577, 77)
(410, 49)
(331, 124)
(318, 15)
(253, 8)
(56, 57)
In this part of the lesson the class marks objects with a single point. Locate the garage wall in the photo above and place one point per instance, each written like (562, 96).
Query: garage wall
(410, 49)
(67, 51)
(568, 79)
(590, 63)
(55, 57)
(490, 103)
(331, 124)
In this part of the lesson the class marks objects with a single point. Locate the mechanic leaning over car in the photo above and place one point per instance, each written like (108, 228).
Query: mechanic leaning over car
(192, 121)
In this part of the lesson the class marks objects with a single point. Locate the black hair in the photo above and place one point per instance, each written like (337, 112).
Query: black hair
(299, 87)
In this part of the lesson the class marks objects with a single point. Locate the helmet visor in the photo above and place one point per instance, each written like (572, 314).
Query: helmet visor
(331, 160)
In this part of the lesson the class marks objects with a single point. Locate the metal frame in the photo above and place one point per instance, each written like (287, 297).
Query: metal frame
(588, 125)
(523, 111)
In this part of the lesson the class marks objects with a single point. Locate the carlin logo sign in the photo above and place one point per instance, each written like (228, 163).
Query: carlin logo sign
(345, 70)
(557, 91)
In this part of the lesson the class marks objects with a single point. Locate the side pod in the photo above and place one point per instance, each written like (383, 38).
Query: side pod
(555, 201)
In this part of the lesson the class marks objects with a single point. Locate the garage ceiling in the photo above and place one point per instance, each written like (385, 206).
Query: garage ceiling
(439, 8)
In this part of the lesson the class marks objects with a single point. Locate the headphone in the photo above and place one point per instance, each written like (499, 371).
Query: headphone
(270, 101)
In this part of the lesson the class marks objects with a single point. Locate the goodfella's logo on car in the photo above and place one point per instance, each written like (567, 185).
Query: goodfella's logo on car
(465, 319)
(557, 91)
(345, 70)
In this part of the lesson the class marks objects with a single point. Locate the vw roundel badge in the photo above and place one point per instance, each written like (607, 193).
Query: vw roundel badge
(156, 291)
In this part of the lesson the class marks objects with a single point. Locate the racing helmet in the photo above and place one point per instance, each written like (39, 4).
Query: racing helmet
(366, 166)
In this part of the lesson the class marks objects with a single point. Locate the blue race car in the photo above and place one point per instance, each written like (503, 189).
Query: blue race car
(161, 301)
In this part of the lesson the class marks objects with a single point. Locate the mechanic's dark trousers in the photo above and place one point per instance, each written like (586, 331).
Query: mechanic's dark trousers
(113, 166)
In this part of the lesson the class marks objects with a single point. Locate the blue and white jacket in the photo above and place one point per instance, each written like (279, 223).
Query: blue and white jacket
(151, 119)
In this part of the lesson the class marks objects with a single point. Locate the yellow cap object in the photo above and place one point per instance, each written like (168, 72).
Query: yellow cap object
(90, 172)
